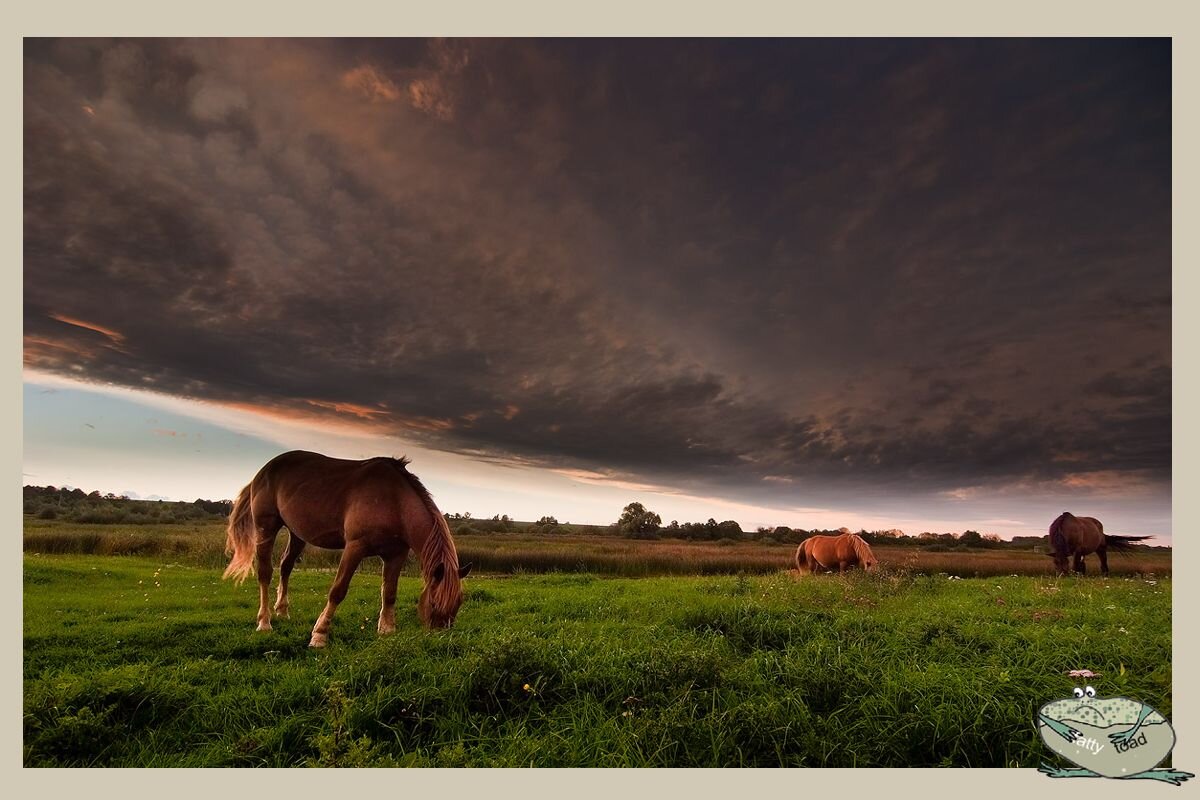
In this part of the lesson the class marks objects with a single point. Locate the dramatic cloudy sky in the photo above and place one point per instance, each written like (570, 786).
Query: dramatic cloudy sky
(808, 282)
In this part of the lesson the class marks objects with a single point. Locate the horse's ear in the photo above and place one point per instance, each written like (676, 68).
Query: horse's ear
(439, 572)
(464, 571)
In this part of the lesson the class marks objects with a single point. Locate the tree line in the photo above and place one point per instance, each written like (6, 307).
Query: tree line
(638, 522)
(76, 505)
(635, 522)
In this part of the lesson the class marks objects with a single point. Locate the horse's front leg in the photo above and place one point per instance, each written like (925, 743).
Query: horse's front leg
(1079, 565)
(351, 556)
(392, 567)
(295, 547)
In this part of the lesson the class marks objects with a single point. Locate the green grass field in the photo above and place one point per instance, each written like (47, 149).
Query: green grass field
(154, 661)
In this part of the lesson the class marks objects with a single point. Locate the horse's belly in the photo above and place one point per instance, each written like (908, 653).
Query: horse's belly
(313, 529)
(330, 540)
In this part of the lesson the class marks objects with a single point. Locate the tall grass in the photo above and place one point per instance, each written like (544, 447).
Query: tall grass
(203, 544)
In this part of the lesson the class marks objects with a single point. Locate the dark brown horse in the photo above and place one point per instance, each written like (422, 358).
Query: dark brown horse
(827, 552)
(365, 508)
(1072, 536)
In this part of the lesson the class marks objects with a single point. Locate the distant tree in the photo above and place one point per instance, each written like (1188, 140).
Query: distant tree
(970, 539)
(783, 533)
(635, 518)
(546, 525)
(729, 530)
(497, 524)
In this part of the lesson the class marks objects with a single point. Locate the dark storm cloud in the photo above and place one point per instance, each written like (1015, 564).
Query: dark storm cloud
(913, 264)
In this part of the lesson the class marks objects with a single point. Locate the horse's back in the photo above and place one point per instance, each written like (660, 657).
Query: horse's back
(300, 469)
(319, 498)
(1095, 532)
(823, 549)
(1083, 533)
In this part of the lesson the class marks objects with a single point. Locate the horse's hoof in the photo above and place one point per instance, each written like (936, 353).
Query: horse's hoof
(385, 631)
(317, 641)
(263, 626)
(282, 613)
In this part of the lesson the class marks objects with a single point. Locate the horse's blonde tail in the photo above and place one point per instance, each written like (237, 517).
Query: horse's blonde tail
(802, 558)
(239, 538)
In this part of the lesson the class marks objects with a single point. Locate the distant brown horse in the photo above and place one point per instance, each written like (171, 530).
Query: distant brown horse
(827, 552)
(366, 508)
(1072, 536)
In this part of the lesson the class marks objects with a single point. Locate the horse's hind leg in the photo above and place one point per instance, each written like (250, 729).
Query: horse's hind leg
(1103, 554)
(351, 556)
(392, 565)
(264, 543)
(1080, 567)
(295, 547)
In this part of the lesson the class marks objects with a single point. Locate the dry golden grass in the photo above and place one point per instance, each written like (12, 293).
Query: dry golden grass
(612, 555)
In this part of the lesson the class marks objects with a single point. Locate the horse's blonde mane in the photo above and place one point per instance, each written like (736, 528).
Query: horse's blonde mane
(861, 549)
(439, 551)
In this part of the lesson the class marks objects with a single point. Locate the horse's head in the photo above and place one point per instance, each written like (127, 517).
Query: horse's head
(442, 596)
(862, 551)
(1060, 548)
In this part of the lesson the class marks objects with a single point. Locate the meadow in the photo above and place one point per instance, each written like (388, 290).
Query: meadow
(152, 660)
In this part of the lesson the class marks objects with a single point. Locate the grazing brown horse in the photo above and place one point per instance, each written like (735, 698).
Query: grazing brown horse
(365, 508)
(828, 552)
(1072, 536)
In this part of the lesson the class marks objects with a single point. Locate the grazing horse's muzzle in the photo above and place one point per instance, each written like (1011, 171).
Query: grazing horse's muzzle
(439, 623)
(438, 604)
